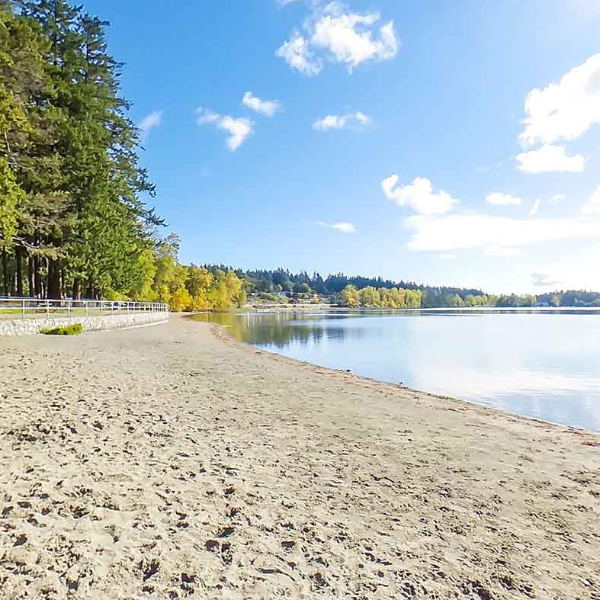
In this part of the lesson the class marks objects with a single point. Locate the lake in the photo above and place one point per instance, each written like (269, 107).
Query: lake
(541, 364)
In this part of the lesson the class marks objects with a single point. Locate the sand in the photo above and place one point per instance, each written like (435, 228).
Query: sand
(170, 462)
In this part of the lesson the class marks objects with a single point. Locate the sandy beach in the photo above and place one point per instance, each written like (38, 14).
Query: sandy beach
(173, 462)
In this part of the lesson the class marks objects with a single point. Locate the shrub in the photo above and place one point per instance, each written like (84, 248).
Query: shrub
(74, 329)
(181, 300)
(115, 296)
(267, 296)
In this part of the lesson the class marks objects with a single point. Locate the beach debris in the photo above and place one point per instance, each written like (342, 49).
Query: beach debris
(225, 532)
(149, 569)
(187, 584)
(319, 580)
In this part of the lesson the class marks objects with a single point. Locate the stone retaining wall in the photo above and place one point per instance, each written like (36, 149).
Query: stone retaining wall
(32, 326)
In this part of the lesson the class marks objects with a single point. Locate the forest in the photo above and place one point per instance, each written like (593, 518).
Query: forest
(75, 219)
(376, 292)
(72, 221)
(332, 286)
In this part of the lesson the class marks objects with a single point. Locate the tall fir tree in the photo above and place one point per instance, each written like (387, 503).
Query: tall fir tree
(75, 198)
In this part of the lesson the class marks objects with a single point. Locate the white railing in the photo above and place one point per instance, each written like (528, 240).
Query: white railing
(35, 307)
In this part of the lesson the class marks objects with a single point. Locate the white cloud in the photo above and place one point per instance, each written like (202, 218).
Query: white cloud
(448, 256)
(499, 199)
(297, 53)
(501, 251)
(356, 119)
(419, 196)
(567, 109)
(544, 280)
(263, 107)
(340, 36)
(558, 198)
(149, 123)
(469, 231)
(592, 205)
(535, 208)
(238, 129)
(343, 226)
(548, 159)
(348, 37)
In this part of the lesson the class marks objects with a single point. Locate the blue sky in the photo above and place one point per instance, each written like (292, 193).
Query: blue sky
(411, 140)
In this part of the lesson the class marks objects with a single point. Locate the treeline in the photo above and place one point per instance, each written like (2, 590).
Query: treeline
(72, 221)
(267, 282)
(191, 288)
(282, 280)
(371, 297)
(399, 298)
(571, 298)
(183, 287)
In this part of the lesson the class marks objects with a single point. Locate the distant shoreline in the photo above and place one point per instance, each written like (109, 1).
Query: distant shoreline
(487, 309)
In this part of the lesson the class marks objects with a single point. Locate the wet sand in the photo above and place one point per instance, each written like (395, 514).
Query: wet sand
(169, 462)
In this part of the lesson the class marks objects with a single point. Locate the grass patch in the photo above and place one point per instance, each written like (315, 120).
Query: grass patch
(74, 329)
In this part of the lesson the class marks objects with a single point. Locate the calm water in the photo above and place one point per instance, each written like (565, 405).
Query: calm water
(538, 364)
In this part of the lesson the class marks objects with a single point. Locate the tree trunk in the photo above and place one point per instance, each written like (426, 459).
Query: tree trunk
(5, 272)
(37, 277)
(77, 288)
(19, 262)
(30, 270)
(54, 280)
(90, 289)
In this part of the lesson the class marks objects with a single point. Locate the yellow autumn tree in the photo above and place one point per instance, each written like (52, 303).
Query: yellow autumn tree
(369, 297)
(350, 297)
(181, 300)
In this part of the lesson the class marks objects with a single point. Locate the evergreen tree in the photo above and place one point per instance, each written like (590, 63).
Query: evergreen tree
(73, 192)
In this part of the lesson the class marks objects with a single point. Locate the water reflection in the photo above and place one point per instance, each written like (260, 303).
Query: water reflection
(540, 364)
(282, 330)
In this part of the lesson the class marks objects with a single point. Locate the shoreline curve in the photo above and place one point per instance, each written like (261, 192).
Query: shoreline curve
(164, 462)
(222, 333)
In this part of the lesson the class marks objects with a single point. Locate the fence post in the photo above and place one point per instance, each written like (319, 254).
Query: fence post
(47, 309)
(23, 309)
